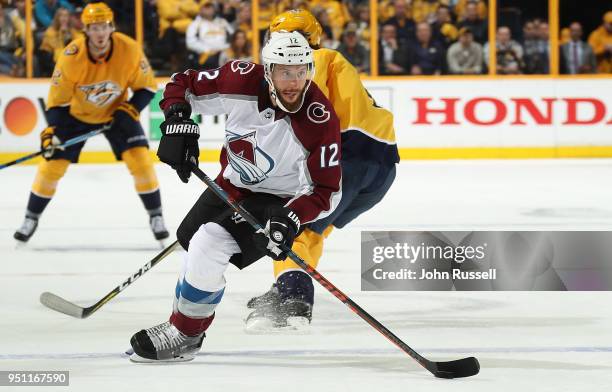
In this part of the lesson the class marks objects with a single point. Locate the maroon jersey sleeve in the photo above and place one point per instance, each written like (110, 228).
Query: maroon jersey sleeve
(318, 129)
(204, 90)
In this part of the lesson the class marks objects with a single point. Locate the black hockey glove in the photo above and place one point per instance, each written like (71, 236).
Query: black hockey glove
(281, 229)
(178, 146)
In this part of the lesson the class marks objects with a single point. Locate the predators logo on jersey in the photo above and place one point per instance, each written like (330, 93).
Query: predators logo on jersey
(71, 49)
(101, 94)
(94, 88)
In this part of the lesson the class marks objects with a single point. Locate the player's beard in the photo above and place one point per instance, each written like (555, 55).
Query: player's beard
(297, 95)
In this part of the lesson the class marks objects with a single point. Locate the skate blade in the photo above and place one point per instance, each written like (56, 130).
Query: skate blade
(163, 244)
(20, 245)
(264, 326)
(138, 359)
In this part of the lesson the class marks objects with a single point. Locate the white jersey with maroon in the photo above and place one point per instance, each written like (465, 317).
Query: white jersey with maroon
(294, 156)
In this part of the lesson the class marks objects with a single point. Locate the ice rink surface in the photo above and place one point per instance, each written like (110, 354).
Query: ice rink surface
(95, 233)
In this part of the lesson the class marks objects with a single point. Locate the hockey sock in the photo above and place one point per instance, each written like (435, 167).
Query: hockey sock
(152, 202)
(36, 205)
(190, 306)
(191, 326)
(296, 285)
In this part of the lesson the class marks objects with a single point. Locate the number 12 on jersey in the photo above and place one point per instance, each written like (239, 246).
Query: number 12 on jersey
(329, 155)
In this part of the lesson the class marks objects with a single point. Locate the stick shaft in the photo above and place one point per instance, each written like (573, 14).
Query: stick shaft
(68, 143)
(152, 263)
(59, 304)
(314, 274)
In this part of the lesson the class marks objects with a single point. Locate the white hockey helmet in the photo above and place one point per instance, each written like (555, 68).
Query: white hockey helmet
(287, 48)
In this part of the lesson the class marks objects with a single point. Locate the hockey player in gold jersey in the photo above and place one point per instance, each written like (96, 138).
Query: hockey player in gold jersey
(369, 156)
(89, 88)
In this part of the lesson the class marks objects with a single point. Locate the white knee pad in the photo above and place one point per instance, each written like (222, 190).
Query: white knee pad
(210, 250)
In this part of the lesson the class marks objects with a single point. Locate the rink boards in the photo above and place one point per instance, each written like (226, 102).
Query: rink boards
(435, 118)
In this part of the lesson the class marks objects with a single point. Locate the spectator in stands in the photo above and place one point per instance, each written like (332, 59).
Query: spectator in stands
(327, 37)
(564, 36)
(462, 5)
(267, 11)
(207, 37)
(404, 25)
(601, 42)
(393, 56)
(363, 24)
(174, 18)
(428, 56)
(239, 49)
(577, 56)
(385, 10)
(19, 20)
(477, 25)
(444, 31)
(176, 15)
(228, 10)
(536, 48)
(77, 23)
(464, 57)
(529, 30)
(11, 62)
(45, 10)
(243, 20)
(353, 50)
(337, 16)
(509, 53)
(425, 10)
(150, 29)
(56, 37)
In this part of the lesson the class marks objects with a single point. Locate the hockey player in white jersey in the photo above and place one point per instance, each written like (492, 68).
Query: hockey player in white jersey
(280, 160)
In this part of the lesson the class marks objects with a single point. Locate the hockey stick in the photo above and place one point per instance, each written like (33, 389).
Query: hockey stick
(450, 369)
(61, 305)
(67, 143)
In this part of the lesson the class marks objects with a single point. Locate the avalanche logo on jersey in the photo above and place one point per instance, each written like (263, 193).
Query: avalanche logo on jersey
(251, 162)
(242, 66)
(101, 93)
(317, 114)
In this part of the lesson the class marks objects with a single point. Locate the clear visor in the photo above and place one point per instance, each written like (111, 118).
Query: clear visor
(292, 72)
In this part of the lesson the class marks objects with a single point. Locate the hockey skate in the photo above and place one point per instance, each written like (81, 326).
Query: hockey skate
(286, 307)
(26, 230)
(269, 298)
(272, 314)
(164, 343)
(158, 227)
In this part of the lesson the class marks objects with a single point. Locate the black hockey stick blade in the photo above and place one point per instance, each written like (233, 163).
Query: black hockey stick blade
(465, 367)
(61, 305)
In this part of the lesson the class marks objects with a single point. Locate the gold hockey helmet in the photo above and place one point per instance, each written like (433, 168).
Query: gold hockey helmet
(97, 13)
(299, 20)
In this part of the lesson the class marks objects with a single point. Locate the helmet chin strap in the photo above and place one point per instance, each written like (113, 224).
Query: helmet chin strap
(274, 95)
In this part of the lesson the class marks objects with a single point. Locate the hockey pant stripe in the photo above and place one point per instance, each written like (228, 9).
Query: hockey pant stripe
(202, 285)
